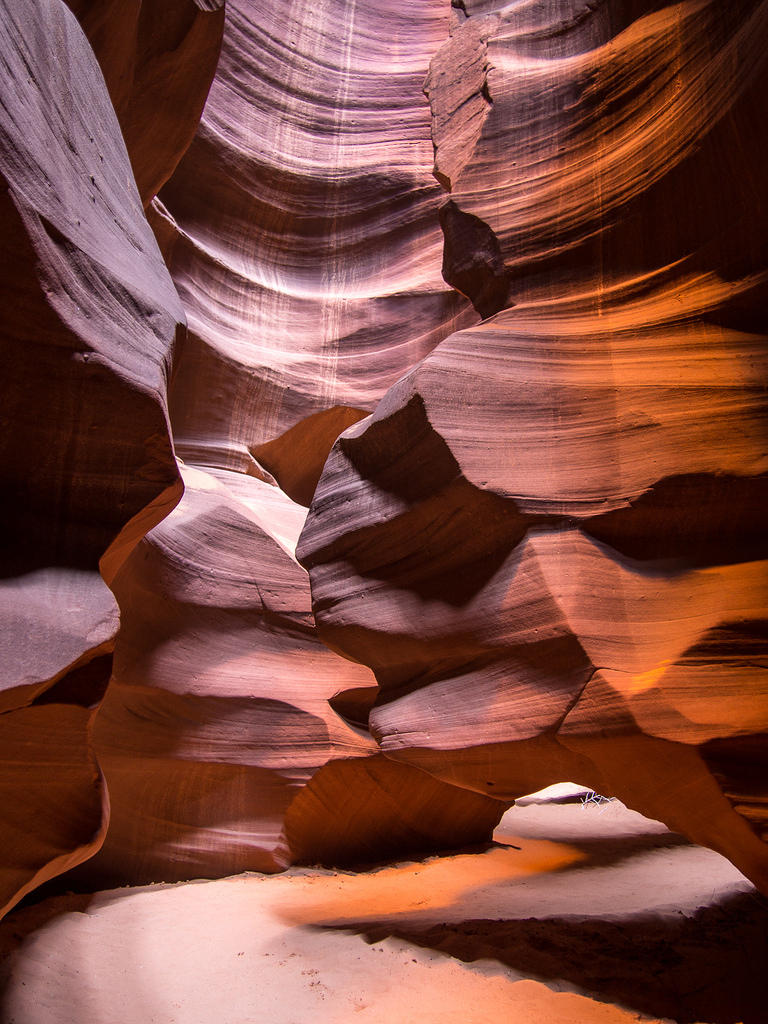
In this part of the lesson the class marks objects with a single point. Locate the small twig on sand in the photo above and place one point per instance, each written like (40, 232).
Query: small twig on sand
(596, 799)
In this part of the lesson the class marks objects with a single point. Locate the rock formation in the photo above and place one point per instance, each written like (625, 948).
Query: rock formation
(549, 539)
(506, 263)
(301, 227)
(90, 318)
(219, 744)
(158, 58)
(220, 748)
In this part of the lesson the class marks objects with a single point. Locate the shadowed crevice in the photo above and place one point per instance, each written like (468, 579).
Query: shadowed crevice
(296, 458)
(472, 261)
(354, 705)
(84, 686)
(740, 765)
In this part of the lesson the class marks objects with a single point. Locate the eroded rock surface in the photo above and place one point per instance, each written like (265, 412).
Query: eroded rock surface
(543, 533)
(221, 749)
(90, 317)
(218, 712)
(548, 540)
(158, 58)
(302, 231)
(457, 88)
(301, 228)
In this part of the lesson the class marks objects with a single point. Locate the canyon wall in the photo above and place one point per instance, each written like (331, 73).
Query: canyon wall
(90, 321)
(464, 305)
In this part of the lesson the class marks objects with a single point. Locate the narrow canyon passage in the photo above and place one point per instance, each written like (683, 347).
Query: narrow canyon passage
(384, 440)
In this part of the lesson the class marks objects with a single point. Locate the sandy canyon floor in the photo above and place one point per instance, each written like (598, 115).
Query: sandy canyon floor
(578, 912)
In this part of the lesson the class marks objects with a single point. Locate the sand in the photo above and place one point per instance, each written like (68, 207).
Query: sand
(577, 913)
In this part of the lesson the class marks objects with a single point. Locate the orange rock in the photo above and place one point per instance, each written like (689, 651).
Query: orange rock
(90, 319)
(548, 541)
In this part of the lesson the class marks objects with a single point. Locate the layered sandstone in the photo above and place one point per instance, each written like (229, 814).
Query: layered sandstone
(301, 228)
(549, 541)
(513, 258)
(89, 322)
(218, 739)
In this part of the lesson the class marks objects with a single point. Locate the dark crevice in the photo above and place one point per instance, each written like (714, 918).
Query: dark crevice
(696, 519)
(84, 686)
(354, 705)
(403, 454)
(473, 262)
(740, 766)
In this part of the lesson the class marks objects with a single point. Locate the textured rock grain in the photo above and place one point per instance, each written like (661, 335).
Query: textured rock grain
(301, 228)
(90, 318)
(158, 58)
(543, 532)
(218, 718)
(548, 540)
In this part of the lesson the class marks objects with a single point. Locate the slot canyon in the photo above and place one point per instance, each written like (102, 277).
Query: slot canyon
(384, 548)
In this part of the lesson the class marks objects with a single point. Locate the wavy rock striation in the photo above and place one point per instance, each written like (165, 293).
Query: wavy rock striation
(219, 710)
(514, 255)
(90, 319)
(302, 232)
(301, 228)
(548, 541)
(220, 747)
